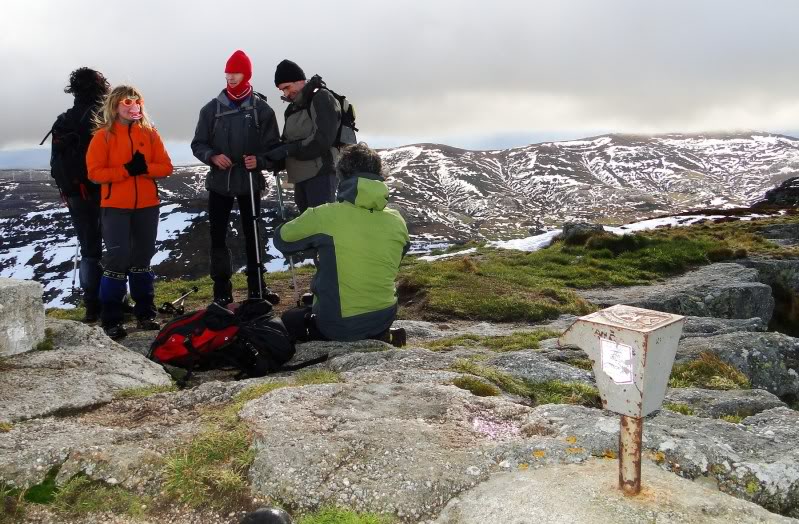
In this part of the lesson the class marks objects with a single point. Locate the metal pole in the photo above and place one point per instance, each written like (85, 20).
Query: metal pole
(255, 235)
(282, 210)
(630, 435)
(75, 263)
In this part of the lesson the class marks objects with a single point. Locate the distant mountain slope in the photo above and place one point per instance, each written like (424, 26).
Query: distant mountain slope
(612, 179)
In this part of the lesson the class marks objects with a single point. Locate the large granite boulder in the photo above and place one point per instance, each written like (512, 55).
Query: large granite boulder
(85, 368)
(21, 316)
(717, 290)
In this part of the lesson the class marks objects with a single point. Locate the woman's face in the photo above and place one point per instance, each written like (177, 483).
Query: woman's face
(129, 108)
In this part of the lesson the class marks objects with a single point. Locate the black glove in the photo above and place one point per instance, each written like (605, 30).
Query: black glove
(137, 165)
(281, 152)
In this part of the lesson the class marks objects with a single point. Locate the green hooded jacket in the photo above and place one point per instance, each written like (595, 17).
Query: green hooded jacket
(360, 245)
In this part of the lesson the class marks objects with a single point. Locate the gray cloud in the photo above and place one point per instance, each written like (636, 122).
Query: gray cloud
(420, 70)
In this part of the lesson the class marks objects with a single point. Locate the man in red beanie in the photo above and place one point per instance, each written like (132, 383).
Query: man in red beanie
(234, 132)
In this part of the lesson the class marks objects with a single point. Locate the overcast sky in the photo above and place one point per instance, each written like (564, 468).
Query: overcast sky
(489, 73)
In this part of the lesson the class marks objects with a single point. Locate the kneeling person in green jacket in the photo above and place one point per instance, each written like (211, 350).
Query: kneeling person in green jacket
(360, 244)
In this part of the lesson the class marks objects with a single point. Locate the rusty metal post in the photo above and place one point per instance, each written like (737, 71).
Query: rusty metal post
(630, 435)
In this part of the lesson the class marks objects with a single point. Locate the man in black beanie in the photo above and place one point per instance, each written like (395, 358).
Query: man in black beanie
(309, 135)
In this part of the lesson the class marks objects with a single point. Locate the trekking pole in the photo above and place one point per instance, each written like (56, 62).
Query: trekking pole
(176, 306)
(75, 264)
(282, 209)
(255, 235)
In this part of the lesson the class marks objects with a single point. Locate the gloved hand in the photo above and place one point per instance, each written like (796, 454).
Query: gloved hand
(281, 152)
(137, 165)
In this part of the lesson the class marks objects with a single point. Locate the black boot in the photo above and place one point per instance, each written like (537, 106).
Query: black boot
(223, 292)
(92, 312)
(267, 516)
(115, 331)
(147, 324)
(398, 337)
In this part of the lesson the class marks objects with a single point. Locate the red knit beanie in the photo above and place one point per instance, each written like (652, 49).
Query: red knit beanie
(239, 62)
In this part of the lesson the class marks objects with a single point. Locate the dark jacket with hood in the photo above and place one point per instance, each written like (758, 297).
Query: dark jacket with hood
(360, 244)
(72, 133)
(311, 128)
(235, 130)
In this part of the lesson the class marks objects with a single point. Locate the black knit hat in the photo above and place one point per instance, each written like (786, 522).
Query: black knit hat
(288, 71)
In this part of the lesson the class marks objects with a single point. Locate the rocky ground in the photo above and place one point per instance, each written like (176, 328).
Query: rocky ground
(402, 432)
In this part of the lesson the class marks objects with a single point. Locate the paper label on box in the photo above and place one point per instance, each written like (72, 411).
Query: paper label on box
(617, 361)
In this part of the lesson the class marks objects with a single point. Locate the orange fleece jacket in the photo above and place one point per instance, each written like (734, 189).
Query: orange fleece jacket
(110, 151)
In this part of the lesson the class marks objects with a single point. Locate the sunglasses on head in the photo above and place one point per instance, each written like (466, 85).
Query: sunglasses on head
(127, 102)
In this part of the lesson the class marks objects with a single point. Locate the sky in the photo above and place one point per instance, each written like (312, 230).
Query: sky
(471, 74)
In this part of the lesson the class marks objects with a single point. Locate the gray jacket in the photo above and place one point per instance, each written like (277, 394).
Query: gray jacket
(250, 128)
(314, 130)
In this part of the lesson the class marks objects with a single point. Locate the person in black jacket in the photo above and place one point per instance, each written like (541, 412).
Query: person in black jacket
(234, 132)
(72, 132)
(313, 117)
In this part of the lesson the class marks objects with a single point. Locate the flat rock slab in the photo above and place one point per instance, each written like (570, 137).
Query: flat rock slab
(717, 290)
(756, 460)
(403, 449)
(84, 369)
(589, 493)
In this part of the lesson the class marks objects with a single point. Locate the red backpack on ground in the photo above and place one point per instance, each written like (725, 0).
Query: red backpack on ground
(250, 339)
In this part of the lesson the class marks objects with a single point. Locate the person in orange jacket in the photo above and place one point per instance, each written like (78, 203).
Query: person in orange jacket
(126, 156)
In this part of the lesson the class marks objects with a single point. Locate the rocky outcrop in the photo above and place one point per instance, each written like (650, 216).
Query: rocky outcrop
(784, 195)
(708, 403)
(769, 360)
(21, 316)
(717, 290)
(84, 369)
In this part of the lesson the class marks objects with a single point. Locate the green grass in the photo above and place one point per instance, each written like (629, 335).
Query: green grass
(581, 363)
(12, 504)
(47, 344)
(735, 419)
(504, 285)
(144, 391)
(708, 372)
(5, 427)
(211, 469)
(81, 496)
(343, 516)
(551, 392)
(476, 386)
(685, 409)
(513, 342)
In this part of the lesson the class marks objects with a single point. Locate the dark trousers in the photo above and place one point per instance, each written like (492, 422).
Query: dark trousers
(301, 325)
(129, 236)
(315, 191)
(85, 213)
(219, 208)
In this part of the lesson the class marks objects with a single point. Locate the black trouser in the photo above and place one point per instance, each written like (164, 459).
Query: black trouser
(85, 213)
(129, 236)
(219, 208)
(315, 191)
(301, 324)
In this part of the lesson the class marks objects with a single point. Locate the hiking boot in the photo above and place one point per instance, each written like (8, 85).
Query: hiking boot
(92, 313)
(269, 295)
(115, 332)
(223, 293)
(147, 324)
(398, 337)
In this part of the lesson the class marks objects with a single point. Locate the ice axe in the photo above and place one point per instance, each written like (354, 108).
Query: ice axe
(176, 306)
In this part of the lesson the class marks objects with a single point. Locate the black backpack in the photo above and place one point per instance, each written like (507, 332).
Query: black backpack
(346, 128)
(71, 136)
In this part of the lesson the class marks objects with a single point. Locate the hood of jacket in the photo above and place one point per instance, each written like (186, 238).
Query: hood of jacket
(365, 190)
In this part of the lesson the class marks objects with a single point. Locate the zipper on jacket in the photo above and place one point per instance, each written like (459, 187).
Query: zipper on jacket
(136, 178)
